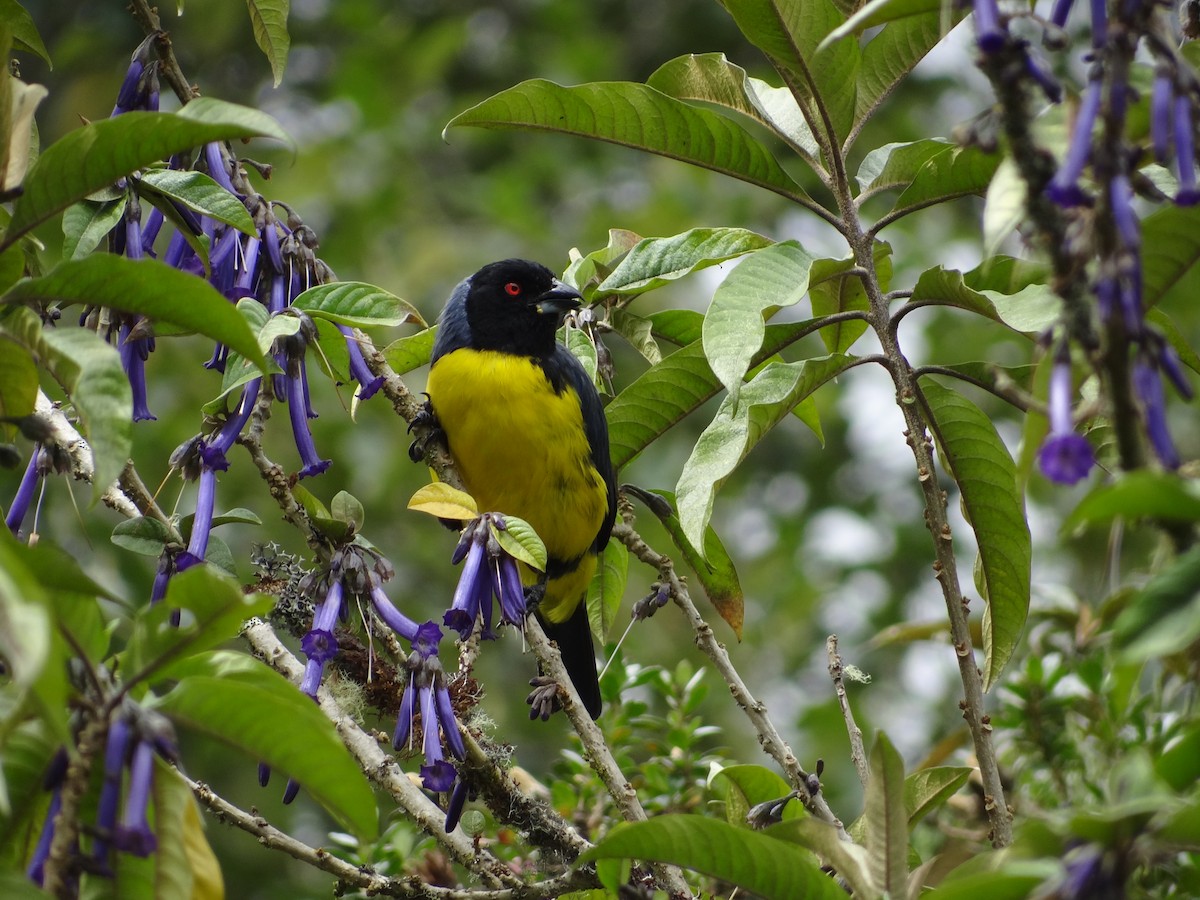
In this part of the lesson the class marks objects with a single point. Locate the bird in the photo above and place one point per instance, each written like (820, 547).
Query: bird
(525, 427)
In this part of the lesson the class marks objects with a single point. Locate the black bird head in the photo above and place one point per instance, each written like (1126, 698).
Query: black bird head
(515, 305)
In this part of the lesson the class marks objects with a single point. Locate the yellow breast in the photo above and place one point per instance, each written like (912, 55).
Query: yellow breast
(522, 449)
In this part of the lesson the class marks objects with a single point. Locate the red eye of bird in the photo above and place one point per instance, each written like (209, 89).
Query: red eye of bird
(512, 289)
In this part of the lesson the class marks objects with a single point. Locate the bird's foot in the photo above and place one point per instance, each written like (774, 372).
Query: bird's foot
(428, 429)
(543, 700)
(533, 596)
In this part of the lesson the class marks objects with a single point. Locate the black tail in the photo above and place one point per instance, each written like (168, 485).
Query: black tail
(574, 639)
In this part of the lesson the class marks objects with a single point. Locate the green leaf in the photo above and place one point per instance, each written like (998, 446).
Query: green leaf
(992, 885)
(1004, 205)
(895, 51)
(654, 262)
(239, 516)
(791, 35)
(1030, 310)
(878, 12)
(411, 352)
(85, 225)
(738, 426)
(94, 156)
(981, 466)
(1179, 765)
(894, 166)
(772, 278)
(1175, 337)
(586, 272)
(173, 806)
(142, 535)
(714, 568)
(850, 860)
(927, 789)
(356, 304)
(749, 785)
(607, 588)
(746, 859)
(1164, 617)
(1138, 495)
(579, 342)
(521, 542)
(18, 380)
(833, 290)
(238, 700)
(637, 116)
(144, 286)
(1170, 248)
(218, 605)
(198, 192)
(887, 824)
(667, 392)
(639, 332)
(268, 18)
(24, 32)
(712, 78)
(955, 172)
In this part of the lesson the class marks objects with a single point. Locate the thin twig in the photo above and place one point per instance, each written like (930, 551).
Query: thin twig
(769, 738)
(147, 17)
(366, 878)
(858, 754)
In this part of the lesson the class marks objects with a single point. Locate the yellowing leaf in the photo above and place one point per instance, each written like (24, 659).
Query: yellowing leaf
(441, 500)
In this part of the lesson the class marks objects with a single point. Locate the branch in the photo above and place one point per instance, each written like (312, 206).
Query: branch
(147, 18)
(366, 878)
(768, 736)
(858, 754)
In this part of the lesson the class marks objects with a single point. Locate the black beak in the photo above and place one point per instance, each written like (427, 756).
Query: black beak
(558, 301)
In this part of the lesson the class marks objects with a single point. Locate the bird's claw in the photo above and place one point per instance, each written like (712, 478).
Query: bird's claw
(533, 596)
(543, 700)
(426, 422)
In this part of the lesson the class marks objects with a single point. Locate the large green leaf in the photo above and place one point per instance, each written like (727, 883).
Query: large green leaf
(654, 262)
(607, 588)
(927, 789)
(791, 34)
(712, 78)
(738, 426)
(773, 278)
(894, 166)
(1164, 617)
(199, 192)
(94, 156)
(1143, 494)
(878, 12)
(356, 304)
(893, 53)
(268, 18)
(144, 286)
(24, 32)
(662, 395)
(955, 172)
(637, 116)
(886, 821)
(833, 290)
(848, 859)
(747, 786)
(1170, 248)
(18, 380)
(90, 372)
(981, 466)
(238, 700)
(410, 352)
(750, 860)
(85, 225)
(1030, 310)
(218, 607)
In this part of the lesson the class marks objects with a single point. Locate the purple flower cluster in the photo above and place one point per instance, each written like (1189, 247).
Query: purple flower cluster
(426, 690)
(488, 571)
(135, 737)
(1066, 457)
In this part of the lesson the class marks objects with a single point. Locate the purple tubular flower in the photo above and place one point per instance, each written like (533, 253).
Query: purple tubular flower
(154, 223)
(213, 453)
(506, 580)
(1162, 96)
(216, 167)
(1099, 23)
(1065, 457)
(133, 835)
(473, 590)
(37, 863)
(367, 384)
(133, 360)
(319, 645)
(161, 578)
(206, 501)
(247, 271)
(25, 492)
(1185, 153)
(1130, 297)
(1064, 187)
(427, 686)
(115, 751)
(264, 774)
(392, 617)
(1059, 12)
(458, 800)
(1168, 362)
(990, 34)
(1045, 80)
(313, 464)
(1121, 197)
(1149, 389)
(290, 791)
